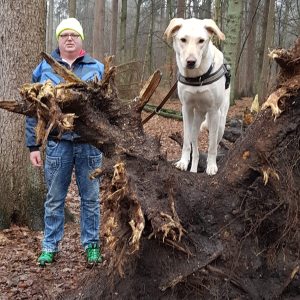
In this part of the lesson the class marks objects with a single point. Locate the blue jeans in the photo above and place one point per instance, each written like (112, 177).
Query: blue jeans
(61, 157)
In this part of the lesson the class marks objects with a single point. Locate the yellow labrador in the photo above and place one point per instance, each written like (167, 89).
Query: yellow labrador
(201, 87)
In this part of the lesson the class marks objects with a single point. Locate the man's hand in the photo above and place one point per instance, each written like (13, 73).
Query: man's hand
(35, 158)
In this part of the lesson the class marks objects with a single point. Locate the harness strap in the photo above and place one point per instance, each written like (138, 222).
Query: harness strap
(203, 79)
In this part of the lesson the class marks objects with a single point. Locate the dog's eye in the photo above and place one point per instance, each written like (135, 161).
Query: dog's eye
(201, 41)
(183, 40)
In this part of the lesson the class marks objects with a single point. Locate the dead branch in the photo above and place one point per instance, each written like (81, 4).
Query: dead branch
(67, 75)
(148, 89)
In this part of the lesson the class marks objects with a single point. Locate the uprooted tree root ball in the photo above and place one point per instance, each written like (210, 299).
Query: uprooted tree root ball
(169, 234)
(123, 220)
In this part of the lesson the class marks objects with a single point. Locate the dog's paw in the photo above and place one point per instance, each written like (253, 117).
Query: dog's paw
(193, 170)
(181, 165)
(211, 169)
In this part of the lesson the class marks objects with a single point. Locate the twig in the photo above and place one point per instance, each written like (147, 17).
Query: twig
(178, 247)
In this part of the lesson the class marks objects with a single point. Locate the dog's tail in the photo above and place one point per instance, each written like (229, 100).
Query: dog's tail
(204, 126)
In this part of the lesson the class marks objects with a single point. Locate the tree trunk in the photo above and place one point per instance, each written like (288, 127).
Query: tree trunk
(261, 48)
(262, 86)
(162, 15)
(149, 56)
(85, 14)
(232, 39)
(236, 85)
(180, 234)
(251, 48)
(170, 57)
(219, 20)
(21, 188)
(98, 31)
(194, 11)
(180, 8)
(114, 28)
(123, 25)
(49, 31)
(206, 9)
(136, 29)
(284, 30)
(72, 8)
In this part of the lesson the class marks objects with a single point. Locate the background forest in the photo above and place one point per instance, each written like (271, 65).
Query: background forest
(246, 238)
(132, 30)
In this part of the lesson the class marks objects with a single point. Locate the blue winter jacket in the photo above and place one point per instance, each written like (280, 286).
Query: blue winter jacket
(85, 67)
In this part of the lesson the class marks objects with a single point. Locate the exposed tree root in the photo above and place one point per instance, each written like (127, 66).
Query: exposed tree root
(171, 283)
(234, 280)
(170, 225)
(123, 220)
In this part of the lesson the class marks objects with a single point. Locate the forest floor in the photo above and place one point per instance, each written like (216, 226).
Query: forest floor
(20, 275)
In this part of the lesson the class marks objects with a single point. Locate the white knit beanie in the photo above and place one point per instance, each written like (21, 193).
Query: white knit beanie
(71, 24)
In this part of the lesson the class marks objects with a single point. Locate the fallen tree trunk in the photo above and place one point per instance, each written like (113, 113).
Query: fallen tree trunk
(168, 233)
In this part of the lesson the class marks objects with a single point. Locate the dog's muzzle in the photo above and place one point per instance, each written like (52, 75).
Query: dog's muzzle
(190, 64)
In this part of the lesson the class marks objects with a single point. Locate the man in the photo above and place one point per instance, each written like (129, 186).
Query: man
(65, 153)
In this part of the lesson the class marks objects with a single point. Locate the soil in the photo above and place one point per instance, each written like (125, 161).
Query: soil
(22, 278)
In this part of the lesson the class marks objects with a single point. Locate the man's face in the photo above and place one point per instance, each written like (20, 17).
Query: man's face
(69, 41)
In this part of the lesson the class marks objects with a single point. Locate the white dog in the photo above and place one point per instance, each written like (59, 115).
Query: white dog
(201, 87)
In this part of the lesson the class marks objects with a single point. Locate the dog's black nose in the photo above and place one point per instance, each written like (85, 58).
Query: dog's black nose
(191, 64)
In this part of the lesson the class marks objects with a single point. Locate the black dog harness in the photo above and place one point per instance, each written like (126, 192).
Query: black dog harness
(208, 78)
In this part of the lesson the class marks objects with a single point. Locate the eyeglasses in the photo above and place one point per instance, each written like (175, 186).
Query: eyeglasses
(73, 36)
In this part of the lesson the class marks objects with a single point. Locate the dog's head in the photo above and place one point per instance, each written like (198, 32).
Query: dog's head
(191, 39)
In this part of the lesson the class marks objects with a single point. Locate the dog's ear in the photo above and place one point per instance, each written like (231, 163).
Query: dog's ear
(173, 27)
(212, 27)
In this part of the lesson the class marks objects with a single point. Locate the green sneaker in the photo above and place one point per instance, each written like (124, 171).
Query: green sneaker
(93, 254)
(46, 258)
